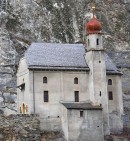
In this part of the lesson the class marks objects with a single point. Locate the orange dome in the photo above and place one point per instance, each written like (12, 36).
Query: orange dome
(93, 26)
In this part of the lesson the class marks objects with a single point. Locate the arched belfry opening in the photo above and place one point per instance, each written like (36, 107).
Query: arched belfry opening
(97, 41)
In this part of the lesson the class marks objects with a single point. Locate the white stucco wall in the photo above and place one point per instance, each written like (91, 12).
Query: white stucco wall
(64, 121)
(60, 88)
(23, 77)
(93, 41)
(98, 83)
(69, 87)
(116, 88)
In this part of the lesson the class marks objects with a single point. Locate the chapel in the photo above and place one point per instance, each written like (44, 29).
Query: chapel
(74, 88)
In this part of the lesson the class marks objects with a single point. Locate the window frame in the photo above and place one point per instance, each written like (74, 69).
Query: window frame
(110, 95)
(97, 41)
(100, 93)
(76, 96)
(45, 80)
(46, 96)
(81, 113)
(76, 81)
(109, 81)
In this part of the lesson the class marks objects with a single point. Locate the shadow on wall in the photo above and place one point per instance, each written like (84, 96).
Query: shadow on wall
(90, 132)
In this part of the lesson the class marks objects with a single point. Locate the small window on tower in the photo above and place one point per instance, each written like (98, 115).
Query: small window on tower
(75, 80)
(110, 95)
(44, 79)
(88, 42)
(97, 41)
(100, 93)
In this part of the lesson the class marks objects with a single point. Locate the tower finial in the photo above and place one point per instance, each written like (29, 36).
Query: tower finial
(94, 26)
(93, 8)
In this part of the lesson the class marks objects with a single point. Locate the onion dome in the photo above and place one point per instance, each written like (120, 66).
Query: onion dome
(93, 26)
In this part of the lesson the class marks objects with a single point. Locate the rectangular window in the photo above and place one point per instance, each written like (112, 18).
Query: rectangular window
(97, 41)
(81, 113)
(46, 97)
(76, 93)
(110, 95)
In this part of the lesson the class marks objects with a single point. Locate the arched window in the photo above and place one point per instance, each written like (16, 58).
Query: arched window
(75, 80)
(109, 82)
(97, 41)
(45, 79)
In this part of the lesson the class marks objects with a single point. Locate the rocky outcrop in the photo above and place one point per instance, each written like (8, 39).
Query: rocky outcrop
(20, 128)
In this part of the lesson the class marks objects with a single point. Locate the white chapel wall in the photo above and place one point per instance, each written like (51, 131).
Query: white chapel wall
(90, 126)
(23, 97)
(116, 88)
(60, 87)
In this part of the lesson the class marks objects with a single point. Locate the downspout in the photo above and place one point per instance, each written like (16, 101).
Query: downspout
(33, 94)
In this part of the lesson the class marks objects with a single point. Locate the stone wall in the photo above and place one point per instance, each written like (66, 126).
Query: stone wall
(25, 127)
(117, 138)
(19, 128)
(52, 136)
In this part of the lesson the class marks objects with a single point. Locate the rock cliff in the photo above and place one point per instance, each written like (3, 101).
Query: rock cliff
(62, 21)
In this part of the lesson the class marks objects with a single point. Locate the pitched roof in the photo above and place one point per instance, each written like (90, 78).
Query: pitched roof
(61, 56)
(110, 66)
(50, 55)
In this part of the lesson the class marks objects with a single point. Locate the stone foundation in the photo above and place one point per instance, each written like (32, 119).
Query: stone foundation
(27, 128)
(52, 136)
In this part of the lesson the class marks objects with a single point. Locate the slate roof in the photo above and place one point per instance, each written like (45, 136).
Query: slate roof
(82, 106)
(55, 55)
(61, 57)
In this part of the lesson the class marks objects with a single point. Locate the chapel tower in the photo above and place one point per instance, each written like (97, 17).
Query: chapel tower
(95, 58)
